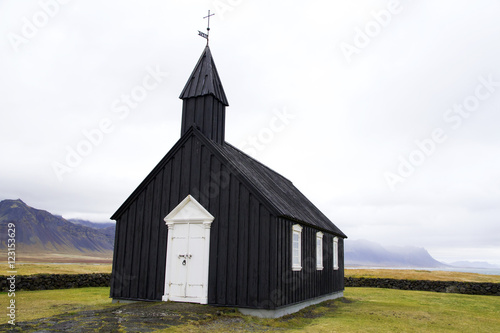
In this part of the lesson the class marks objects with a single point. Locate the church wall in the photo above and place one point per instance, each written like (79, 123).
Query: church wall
(297, 286)
(139, 257)
(243, 247)
(141, 237)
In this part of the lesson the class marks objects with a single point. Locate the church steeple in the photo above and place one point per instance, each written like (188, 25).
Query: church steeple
(204, 101)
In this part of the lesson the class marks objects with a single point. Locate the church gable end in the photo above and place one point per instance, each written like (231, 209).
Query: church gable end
(241, 245)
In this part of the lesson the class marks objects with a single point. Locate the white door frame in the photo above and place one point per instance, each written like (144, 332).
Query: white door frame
(189, 211)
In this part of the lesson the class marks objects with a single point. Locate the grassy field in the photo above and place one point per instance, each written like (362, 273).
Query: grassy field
(385, 310)
(361, 310)
(45, 303)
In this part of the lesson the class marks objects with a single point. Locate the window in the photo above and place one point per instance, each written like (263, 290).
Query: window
(319, 250)
(335, 253)
(296, 247)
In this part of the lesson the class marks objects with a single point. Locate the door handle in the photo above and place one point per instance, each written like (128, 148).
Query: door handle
(187, 256)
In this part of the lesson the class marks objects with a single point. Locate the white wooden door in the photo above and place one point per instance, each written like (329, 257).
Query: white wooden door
(188, 246)
(178, 270)
(187, 280)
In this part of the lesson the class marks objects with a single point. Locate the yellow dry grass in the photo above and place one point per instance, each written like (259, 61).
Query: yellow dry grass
(57, 257)
(30, 269)
(410, 274)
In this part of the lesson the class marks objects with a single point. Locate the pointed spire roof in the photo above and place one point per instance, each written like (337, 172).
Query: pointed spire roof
(204, 80)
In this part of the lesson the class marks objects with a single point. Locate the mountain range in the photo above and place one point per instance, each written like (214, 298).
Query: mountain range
(94, 225)
(41, 235)
(367, 253)
(371, 254)
(474, 264)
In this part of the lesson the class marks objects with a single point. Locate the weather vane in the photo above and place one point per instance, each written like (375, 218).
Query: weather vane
(205, 35)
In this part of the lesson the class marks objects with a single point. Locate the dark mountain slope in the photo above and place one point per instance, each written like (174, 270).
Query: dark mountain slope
(38, 231)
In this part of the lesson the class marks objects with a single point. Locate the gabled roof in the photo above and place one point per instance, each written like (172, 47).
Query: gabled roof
(285, 198)
(276, 192)
(204, 80)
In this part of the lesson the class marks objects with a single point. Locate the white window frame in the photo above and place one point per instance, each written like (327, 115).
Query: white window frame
(297, 230)
(335, 253)
(319, 251)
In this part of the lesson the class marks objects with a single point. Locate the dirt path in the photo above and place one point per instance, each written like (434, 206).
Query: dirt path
(142, 317)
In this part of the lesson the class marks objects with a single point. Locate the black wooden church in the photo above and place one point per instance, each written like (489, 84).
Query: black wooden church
(212, 225)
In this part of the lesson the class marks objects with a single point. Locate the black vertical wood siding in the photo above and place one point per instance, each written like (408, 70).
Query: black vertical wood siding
(250, 248)
(241, 247)
(206, 113)
(297, 286)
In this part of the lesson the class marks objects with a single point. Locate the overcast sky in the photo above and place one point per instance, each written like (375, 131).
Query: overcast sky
(384, 113)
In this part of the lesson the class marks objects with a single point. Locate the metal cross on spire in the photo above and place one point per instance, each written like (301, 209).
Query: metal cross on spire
(206, 35)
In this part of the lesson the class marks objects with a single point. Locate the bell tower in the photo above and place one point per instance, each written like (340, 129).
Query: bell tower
(204, 101)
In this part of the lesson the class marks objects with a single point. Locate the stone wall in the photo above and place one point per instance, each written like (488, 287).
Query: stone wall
(65, 281)
(472, 288)
(56, 281)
